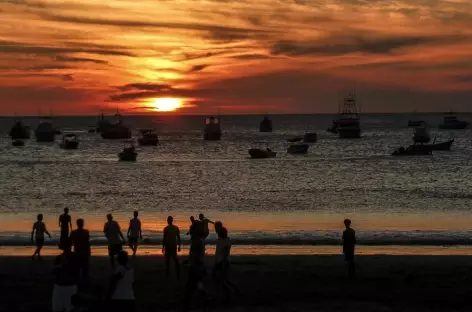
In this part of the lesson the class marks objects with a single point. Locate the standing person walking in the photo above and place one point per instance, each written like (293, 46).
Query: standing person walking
(349, 245)
(134, 233)
(171, 245)
(80, 239)
(114, 236)
(39, 228)
(64, 222)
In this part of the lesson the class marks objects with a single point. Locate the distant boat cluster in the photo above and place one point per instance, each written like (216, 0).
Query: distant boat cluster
(347, 126)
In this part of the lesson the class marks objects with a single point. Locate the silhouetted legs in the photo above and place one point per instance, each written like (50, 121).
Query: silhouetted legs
(172, 255)
(133, 244)
(351, 268)
(39, 246)
(221, 277)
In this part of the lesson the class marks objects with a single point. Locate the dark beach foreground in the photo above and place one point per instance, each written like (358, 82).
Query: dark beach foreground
(271, 283)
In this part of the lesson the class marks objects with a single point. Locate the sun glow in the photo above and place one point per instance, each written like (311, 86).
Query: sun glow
(166, 104)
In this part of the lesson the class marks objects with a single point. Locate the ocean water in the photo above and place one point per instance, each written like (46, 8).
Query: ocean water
(289, 200)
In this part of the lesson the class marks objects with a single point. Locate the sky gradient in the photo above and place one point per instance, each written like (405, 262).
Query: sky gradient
(287, 56)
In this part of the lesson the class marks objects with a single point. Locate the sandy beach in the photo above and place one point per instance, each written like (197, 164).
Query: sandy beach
(271, 283)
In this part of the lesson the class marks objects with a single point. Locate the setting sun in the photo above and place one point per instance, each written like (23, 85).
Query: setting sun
(166, 104)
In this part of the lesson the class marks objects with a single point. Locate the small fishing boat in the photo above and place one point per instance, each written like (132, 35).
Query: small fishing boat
(310, 137)
(102, 123)
(262, 153)
(334, 127)
(115, 131)
(45, 131)
(18, 143)
(128, 153)
(298, 149)
(69, 141)
(443, 146)
(265, 125)
(413, 150)
(212, 130)
(452, 123)
(148, 137)
(415, 122)
(295, 139)
(421, 134)
(19, 131)
(348, 123)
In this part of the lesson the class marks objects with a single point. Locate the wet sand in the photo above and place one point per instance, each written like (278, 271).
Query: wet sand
(271, 283)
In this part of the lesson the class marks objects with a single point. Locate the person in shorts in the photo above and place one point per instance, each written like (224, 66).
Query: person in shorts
(39, 228)
(114, 237)
(171, 245)
(349, 244)
(134, 233)
(80, 239)
(222, 263)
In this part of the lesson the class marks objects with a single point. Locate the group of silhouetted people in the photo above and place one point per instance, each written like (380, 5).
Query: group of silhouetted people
(71, 267)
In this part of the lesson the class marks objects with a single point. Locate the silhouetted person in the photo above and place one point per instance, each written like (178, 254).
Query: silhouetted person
(114, 236)
(134, 233)
(121, 293)
(222, 263)
(64, 223)
(197, 246)
(218, 226)
(171, 245)
(349, 244)
(39, 228)
(205, 226)
(80, 239)
(65, 282)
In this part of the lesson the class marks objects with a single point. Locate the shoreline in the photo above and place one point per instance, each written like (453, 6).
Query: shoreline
(265, 250)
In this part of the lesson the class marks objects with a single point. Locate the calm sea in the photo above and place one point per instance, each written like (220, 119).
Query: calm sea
(290, 200)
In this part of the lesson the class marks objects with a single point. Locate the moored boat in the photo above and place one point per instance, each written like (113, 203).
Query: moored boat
(421, 134)
(18, 143)
(265, 125)
(452, 123)
(298, 149)
(115, 131)
(295, 139)
(348, 123)
(128, 154)
(69, 141)
(148, 137)
(262, 153)
(19, 131)
(310, 137)
(443, 146)
(212, 130)
(334, 127)
(44, 131)
(413, 150)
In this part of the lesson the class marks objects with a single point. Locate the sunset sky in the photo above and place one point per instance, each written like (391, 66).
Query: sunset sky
(236, 56)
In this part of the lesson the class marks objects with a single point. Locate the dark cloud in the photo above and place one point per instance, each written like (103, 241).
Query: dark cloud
(67, 77)
(339, 46)
(198, 68)
(62, 58)
(464, 78)
(216, 32)
(252, 57)
(145, 87)
(23, 48)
